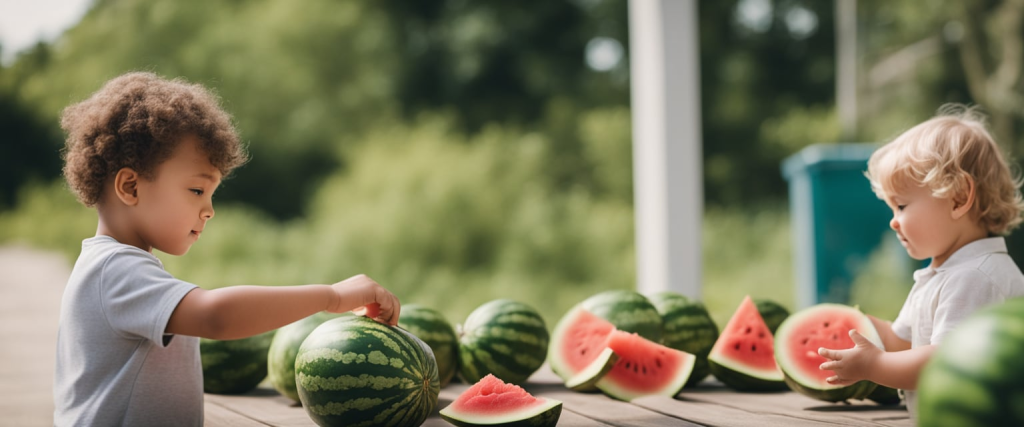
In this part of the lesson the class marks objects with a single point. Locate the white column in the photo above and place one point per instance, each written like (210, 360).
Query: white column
(846, 67)
(667, 161)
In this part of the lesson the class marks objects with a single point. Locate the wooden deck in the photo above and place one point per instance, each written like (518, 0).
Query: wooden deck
(31, 284)
(709, 404)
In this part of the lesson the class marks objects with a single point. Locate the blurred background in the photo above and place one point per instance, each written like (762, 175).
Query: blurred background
(460, 151)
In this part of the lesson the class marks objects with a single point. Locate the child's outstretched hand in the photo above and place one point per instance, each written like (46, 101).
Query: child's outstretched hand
(850, 365)
(364, 296)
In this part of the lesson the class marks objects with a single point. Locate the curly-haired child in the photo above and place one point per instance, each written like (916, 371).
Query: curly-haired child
(148, 154)
(953, 197)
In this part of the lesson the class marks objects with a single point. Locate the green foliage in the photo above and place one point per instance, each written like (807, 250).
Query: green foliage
(449, 222)
(882, 285)
(746, 253)
(48, 216)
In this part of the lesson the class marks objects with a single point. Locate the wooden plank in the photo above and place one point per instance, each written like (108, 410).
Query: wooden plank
(31, 287)
(264, 404)
(593, 408)
(216, 415)
(790, 404)
(717, 415)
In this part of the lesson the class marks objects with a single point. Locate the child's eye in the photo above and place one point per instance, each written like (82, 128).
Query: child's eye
(900, 207)
(196, 191)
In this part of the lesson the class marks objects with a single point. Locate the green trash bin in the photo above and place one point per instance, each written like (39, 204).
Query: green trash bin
(837, 221)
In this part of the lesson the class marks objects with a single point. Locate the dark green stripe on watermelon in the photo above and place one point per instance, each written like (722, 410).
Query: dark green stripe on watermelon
(430, 326)
(505, 338)
(883, 395)
(628, 311)
(234, 366)
(687, 326)
(355, 371)
(975, 376)
(284, 347)
(772, 312)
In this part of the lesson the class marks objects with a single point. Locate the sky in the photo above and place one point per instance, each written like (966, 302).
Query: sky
(24, 22)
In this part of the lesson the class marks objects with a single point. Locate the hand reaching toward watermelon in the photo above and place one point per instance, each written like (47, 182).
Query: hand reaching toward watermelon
(364, 296)
(853, 364)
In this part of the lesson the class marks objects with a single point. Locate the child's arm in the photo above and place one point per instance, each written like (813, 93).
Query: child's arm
(865, 361)
(889, 338)
(242, 311)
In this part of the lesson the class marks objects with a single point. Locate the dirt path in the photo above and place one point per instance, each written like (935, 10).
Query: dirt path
(31, 284)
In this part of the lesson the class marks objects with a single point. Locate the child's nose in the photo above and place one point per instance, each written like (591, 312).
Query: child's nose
(894, 224)
(207, 213)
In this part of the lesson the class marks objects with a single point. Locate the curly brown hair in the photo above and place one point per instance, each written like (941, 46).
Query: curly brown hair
(136, 120)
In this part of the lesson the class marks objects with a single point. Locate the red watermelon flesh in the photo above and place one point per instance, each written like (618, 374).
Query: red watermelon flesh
(823, 325)
(747, 337)
(831, 333)
(492, 401)
(644, 368)
(578, 339)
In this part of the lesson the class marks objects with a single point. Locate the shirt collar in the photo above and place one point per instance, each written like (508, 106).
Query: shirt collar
(966, 253)
(991, 245)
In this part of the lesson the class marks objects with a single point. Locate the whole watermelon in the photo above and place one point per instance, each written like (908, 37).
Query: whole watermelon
(628, 311)
(976, 376)
(505, 338)
(284, 348)
(687, 326)
(430, 326)
(772, 312)
(355, 371)
(234, 366)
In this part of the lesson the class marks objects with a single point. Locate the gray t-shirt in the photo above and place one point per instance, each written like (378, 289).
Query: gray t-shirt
(115, 364)
(979, 274)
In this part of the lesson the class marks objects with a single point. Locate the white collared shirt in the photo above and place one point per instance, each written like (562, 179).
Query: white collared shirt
(979, 274)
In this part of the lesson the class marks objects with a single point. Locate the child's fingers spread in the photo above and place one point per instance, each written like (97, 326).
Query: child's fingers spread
(859, 339)
(829, 354)
(829, 366)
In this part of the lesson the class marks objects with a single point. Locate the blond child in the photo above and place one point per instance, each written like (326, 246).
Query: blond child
(953, 197)
(148, 154)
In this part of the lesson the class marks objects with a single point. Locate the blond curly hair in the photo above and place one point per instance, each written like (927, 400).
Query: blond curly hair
(135, 121)
(946, 154)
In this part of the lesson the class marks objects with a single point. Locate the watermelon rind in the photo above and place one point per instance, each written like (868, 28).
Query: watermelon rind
(734, 373)
(587, 379)
(610, 386)
(975, 376)
(430, 326)
(556, 360)
(883, 395)
(687, 326)
(740, 378)
(355, 371)
(505, 338)
(543, 415)
(234, 366)
(812, 387)
(284, 348)
(628, 311)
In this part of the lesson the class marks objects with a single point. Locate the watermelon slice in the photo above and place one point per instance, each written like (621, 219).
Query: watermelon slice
(587, 379)
(579, 338)
(744, 357)
(493, 402)
(823, 325)
(644, 368)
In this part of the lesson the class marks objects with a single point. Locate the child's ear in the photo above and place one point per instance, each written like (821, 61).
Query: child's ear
(963, 202)
(126, 186)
